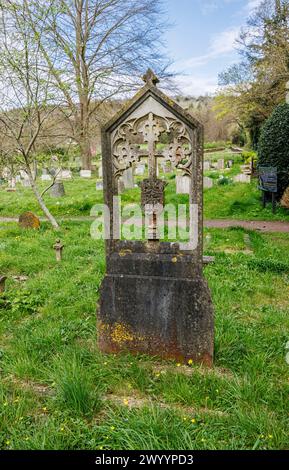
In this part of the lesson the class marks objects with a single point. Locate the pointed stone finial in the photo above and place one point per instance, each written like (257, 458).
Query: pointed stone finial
(150, 78)
(287, 92)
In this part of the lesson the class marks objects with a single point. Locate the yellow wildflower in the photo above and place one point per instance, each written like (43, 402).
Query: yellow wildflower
(190, 362)
(193, 420)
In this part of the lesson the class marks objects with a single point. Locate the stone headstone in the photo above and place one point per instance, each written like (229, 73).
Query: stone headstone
(207, 166)
(183, 184)
(208, 182)
(85, 173)
(57, 190)
(154, 298)
(17, 178)
(241, 178)
(100, 173)
(221, 164)
(128, 178)
(230, 163)
(46, 177)
(99, 185)
(66, 175)
(121, 187)
(29, 220)
(11, 185)
(139, 170)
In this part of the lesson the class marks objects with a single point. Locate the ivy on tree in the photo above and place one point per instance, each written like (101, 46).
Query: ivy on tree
(274, 145)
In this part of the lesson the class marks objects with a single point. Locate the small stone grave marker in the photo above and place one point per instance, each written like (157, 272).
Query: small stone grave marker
(29, 220)
(183, 184)
(207, 166)
(241, 178)
(208, 182)
(128, 178)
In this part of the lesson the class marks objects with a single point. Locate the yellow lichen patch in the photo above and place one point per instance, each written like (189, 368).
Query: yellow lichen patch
(124, 252)
(121, 334)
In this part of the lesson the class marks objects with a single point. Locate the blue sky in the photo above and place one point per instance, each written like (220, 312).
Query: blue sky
(201, 41)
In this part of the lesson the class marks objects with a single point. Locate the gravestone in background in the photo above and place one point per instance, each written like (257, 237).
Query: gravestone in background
(154, 298)
(207, 166)
(128, 178)
(221, 164)
(29, 220)
(183, 184)
(241, 178)
(208, 182)
(85, 173)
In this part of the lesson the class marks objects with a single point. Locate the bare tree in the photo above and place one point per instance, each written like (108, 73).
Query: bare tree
(26, 102)
(95, 49)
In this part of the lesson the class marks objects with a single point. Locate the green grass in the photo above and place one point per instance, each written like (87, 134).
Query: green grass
(232, 201)
(58, 392)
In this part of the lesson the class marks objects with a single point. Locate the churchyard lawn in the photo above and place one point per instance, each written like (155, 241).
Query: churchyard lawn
(58, 392)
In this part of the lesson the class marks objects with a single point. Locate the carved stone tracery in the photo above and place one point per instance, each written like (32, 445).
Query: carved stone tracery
(127, 150)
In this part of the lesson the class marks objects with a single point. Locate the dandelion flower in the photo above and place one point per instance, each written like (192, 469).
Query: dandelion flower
(190, 362)
(125, 401)
(179, 365)
(7, 443)
(193, 420)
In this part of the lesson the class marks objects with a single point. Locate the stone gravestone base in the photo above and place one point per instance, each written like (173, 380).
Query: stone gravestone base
(163, 306)
(29, 220)
(57, 190)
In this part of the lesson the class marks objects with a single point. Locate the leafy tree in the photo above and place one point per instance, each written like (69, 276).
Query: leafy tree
(255, 86)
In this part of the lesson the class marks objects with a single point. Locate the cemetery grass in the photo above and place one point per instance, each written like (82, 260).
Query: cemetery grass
(58, 392)
(223, 201)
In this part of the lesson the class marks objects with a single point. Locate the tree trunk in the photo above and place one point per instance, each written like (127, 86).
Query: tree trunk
(41, 202)
(85, 153)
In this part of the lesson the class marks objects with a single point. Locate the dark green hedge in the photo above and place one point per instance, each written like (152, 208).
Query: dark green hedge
(274, 145)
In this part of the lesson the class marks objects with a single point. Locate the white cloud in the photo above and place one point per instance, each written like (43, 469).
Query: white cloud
(196, 85)
(220, 45)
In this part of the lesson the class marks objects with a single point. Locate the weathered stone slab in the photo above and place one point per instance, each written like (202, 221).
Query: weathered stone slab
(46, 178)
(29, 220)
(66, 175)
(221, 164)
(208, 182)
(57, 190)
(128, 179)
(183, 184)
(99, 185)
(150, 316)
(139, 170)
(207, 166)
(241, 178)
(85, 173)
